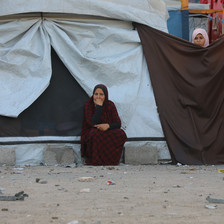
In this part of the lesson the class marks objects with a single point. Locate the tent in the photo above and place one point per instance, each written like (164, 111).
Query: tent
(52, 54)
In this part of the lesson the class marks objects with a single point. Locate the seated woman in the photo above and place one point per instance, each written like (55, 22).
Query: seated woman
(102, 139)
(200, 37)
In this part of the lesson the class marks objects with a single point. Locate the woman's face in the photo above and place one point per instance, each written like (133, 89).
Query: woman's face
(199, 40)
(98, 96)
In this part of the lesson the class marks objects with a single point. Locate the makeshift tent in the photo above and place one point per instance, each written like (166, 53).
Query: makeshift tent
(52, 54)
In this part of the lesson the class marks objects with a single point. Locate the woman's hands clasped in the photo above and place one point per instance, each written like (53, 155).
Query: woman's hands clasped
(102, 127)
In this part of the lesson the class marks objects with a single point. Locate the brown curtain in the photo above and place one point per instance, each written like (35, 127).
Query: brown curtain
(188, 84)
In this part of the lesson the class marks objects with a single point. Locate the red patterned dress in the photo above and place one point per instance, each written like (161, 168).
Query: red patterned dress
(102, 147)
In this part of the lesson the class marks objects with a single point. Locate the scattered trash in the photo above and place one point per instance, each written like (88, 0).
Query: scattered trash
(85, 190)
(211, 206)
(17, 172)
(62, 189)
(220, 171)
(110, 168)
(192, 169)
(74, 222)
(179, 164)
(18, 168)
(176, 186)
(120, 213)
(38, 180)
(4, 209)
(18, 196)
(214, 200)
(43, 182)
(73, 165)
(110, 182)
(86, 179)
(54, 217)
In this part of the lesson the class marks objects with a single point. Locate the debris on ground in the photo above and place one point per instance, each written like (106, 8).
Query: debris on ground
(38, 180)
(86, 179)
(214, 200)
(111, 168)
(74, 222)
(18, 196)
(110, 182)
(85, 190)
(4, 209)
(211, 206)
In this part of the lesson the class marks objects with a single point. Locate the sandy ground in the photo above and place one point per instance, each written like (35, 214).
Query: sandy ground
(142, 194)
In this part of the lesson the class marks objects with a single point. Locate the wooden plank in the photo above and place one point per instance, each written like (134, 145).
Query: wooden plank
(205, 11)
(184, 4)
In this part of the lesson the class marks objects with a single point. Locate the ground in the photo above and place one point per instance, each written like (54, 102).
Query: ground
(153, 194)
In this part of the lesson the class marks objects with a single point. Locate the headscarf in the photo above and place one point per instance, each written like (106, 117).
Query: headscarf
(204, 34)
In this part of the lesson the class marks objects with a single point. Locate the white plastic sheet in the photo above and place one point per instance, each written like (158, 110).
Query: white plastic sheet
(95, 51)
(149, 12)
(25, 64)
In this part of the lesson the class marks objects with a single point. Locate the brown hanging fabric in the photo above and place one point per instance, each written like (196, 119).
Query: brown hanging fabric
(188, 84)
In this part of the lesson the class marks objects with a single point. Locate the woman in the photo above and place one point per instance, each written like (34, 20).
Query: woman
(200, 37)
(102, 139)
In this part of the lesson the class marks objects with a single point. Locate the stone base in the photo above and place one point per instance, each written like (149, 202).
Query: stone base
(61, 156)
(144, 155)
(7, 157)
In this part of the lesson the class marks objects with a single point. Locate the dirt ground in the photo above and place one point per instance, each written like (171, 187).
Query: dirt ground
(141, 194)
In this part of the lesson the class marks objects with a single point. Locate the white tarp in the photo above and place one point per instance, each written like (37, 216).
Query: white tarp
(94, 50)
(149, 12)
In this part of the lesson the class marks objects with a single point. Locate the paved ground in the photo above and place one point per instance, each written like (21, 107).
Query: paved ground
(142, 194)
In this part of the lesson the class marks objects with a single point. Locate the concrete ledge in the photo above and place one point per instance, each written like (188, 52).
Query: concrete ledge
(143, 155)
(7, 157)
(62, 156)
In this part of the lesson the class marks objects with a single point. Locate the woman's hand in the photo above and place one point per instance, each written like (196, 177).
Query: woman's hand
(102, 127)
